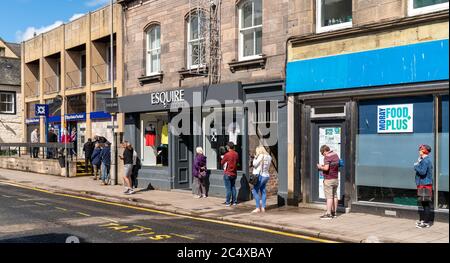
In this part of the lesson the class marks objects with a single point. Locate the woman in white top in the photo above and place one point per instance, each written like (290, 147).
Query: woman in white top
(261, 165)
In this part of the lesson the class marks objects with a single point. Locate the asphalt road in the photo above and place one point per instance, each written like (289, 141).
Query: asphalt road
(30, 216)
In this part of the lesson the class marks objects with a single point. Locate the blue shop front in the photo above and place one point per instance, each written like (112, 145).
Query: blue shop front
(374, 107)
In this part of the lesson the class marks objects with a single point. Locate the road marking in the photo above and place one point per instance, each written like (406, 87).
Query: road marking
(41, 204)
(239, 225)
(83, 214)
(24, 200)
(110, 220)
(186, 237)
(60, 208)
(6, 196)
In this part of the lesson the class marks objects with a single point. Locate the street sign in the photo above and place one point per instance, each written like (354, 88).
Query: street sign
(111, 105)
(41, 110)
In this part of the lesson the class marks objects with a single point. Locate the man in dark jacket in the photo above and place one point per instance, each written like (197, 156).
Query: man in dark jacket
(230, 162)
(96, 160)
(52, 138)
(88, 149)
(106, 163)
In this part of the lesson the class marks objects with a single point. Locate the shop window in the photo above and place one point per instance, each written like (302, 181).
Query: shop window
(155, 139)
(220, 127)
(99, 100)
(196, 46)
(54, 107)
(31, 109)
(250, 29)
(153, 59)
(2, 52)
(417, 7)
(333, 14)
(7, 102)
(76, 104)
(443, 151)
(387, 147)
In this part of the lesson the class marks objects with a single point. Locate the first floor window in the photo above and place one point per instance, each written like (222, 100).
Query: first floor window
(7, 102)
(196, 46)
(99, 100)
(155, 139)
(333, 14)
(250, 27)
(31, 113)
(220, 127)
(416, 7)
(153, 59)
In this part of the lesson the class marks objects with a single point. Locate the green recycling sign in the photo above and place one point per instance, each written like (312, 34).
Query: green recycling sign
(395, 118)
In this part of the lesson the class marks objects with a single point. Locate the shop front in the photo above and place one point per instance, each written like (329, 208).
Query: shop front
(160, 126)
(215, 116)
(374, 108)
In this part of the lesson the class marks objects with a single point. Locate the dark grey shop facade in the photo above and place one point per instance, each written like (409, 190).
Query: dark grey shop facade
(167, 153)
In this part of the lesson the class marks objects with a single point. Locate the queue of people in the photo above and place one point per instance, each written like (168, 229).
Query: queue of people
(98, 162)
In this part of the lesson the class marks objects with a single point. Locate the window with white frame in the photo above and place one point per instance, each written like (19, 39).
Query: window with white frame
(250, 29)
(417, 7)
(333, 15)
(196, 48)
(153, 59)
(7, 102)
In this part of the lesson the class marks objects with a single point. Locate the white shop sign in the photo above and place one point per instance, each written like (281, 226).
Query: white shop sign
(395, 118)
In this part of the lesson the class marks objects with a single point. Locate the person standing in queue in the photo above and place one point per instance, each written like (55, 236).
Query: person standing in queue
(230, 162)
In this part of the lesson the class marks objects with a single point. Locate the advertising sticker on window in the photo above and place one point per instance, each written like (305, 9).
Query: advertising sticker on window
(395, 118)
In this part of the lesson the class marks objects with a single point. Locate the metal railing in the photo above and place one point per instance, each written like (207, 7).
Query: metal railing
(101, 73)
(51, 84)
(37, 150)
(75, 79)
(32, 89)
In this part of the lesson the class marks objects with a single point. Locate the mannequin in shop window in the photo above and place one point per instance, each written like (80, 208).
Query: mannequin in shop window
(150, 135)
(163, 149)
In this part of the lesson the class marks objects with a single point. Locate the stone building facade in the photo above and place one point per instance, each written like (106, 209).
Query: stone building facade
(259, 77)
(10, 95)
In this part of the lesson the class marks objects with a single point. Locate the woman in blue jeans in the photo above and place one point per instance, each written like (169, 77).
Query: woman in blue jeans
(261, 165)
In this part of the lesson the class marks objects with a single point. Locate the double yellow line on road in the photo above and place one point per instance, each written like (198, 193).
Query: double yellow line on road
(173, 214)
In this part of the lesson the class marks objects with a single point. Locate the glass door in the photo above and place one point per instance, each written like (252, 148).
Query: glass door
(332, 135)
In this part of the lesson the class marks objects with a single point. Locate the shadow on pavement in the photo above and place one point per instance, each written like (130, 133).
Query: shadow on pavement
(52, 238)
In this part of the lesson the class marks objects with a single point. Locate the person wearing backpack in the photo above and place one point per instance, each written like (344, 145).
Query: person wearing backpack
(330, 171)
(261, 164)
(199, 171)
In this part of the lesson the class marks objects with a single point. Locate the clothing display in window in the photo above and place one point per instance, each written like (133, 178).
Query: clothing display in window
(233, 132)
(163, 154)
(150, 135)
(165, 134)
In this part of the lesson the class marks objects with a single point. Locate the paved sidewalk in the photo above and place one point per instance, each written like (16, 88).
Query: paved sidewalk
(352, 227)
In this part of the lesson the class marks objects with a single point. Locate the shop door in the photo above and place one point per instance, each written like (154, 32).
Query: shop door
(333, 135)
(183, 161)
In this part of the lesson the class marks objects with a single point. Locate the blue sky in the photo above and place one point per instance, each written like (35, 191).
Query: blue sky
(19, 19)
